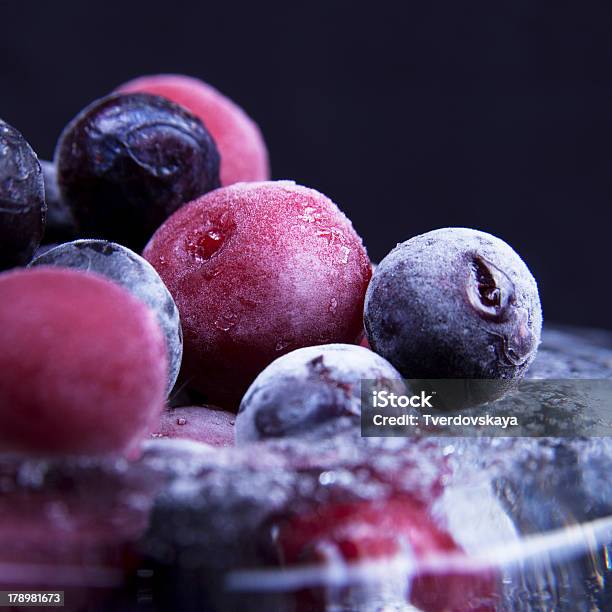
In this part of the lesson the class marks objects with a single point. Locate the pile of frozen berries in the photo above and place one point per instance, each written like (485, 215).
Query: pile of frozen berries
(249, 296)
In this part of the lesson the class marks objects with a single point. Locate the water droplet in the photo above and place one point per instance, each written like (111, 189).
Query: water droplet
(345, 254)
(212, 233)
(333, 305)
(181, 421)
(327, 478)
(202, 245)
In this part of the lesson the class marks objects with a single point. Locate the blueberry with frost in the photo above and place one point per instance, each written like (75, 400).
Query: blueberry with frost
(132, 272)
(313, 389)
(454, 303)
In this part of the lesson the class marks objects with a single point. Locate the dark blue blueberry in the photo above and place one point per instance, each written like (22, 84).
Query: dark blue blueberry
(22, 199)
(128, 161)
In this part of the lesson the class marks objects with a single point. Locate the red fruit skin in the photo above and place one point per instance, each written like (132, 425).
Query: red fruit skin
(200, 423)
(258, 270)
(377, 530)
(244, 156)
(82, 365)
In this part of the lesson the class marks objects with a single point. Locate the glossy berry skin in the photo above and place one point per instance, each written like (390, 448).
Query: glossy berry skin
(22, 199)
(60, 225)
(136, 275)
(83, 364)
(127, 162)
(244, 156)
(363, 531)
(199, 423)
(258, 270)
(316, 389)
(454, 303)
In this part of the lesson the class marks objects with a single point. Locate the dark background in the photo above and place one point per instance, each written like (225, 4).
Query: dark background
(409, 115)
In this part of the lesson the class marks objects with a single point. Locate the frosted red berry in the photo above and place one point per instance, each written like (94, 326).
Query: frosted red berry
(83, 365)
(384, 530)
(200, 423)
(258, 270)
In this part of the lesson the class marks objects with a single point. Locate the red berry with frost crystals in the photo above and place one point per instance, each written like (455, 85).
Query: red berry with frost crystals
(258, 270)
(200, 423)
(381, 530)
(244, 156)
(82, 367)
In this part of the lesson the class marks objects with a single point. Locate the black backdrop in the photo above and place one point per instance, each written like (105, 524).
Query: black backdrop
(410, 115)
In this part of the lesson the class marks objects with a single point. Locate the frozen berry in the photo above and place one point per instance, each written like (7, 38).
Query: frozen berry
(82, 366)
(73, 524)
(200, 423)
(454, 303)
(135, 274)
(317, 388)
(244, 156)
(382, 530)
(128, 161)
(43, 248)
(60, 222)
(258, 270)
(22, 199)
